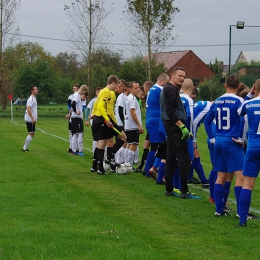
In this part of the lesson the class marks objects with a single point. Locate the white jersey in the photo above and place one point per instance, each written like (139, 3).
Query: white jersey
(77, 98)
(120, 102)
(90, 106)
(131, 102)
(32, 103)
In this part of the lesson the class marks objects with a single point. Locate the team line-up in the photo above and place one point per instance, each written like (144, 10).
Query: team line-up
(170, 152)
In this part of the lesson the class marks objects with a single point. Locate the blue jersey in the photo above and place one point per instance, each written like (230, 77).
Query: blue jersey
(200, 111)
(153, 101)
(188, 106)
(228, 122)
(251, 108)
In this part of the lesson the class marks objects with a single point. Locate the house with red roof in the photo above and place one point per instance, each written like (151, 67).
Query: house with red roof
(195, 68)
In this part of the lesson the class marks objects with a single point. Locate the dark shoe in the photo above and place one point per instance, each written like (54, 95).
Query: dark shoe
(160, 182)
(69, 150)
(93, 170)
(249, 216)
(189, 195)
(224, 213)
(138, 170)
(171, 194)
(112, 162)
(26, 150)
(194, 180)
(143, 172)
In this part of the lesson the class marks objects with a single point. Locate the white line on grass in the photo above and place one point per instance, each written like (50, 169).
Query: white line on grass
(195, 186)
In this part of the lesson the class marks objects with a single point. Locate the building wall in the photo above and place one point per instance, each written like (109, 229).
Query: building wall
(195, 68)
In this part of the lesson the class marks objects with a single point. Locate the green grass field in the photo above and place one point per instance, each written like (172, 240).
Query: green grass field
(53, 207)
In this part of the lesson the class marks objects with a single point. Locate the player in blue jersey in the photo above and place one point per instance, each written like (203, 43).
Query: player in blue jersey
(228, 152)
(251, 108)
(153, 112)
(200, 110)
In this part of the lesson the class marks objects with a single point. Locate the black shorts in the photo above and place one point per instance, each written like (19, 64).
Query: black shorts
(94, 133)
(147, 137)
(102, 131)
(132, 136)
(30, 127)
(161, 150)
(77, 125)
(69, 125)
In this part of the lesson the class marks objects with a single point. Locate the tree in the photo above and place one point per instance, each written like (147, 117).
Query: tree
(8, 34)
(134, 69)
(86, 30)
(150, 26)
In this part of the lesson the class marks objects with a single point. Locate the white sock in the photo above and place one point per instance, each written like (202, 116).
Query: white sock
(120, 155)
(136, 155)
(131, 156)
(28, 139)
(80, 142)
(126, 155)
(94, 146)
(74, 143)
(70, 136)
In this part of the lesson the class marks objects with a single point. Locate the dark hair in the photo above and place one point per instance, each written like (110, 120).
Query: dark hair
(77, 85)
(195, 91)
(32, 88)
(232, 81)
(148, 84)
(123, 81)
(132, 83)
(177, 68)
(142, 88)
(98, 88)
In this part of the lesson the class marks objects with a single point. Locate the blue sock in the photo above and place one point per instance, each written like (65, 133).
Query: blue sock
(219, 197)
(176, 179)
(161, 172)
(199, 169)
(156, 162)
(244, 204)
(227, 190)
(149, 162)
(212, 180)
(191, 170)
(237, 190)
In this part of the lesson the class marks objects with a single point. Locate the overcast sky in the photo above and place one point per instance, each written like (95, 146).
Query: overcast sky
(199, 22)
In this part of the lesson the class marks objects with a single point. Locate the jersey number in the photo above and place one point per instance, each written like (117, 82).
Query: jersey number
(258, 129)
(223, 118)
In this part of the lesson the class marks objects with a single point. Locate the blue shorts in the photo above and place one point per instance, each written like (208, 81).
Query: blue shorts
(252, 163)
(153, 125)
(190, 148)
(228, 155)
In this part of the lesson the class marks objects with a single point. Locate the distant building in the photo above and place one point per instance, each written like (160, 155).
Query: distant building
(248, 57)
(195, 68)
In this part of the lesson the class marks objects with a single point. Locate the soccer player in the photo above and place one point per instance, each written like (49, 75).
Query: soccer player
(251, 108)
(174, 117)
(102, 124)
(146, 145)
(31, 116)
(112, 146)
(228, 152)
(77, 120)
(88, 117)
(153, 112)
(133, 122)
(75, 88)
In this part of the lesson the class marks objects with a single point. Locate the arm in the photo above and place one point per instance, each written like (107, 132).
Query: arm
(134, 116)
(121, 113)
(29, 111)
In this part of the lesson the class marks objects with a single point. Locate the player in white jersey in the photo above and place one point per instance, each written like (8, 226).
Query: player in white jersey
(31, 116)
(228, 152)
(77, 120)
(75, 88)
(133, 122)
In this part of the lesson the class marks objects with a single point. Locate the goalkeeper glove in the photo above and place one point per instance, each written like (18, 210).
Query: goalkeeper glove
(185, 132)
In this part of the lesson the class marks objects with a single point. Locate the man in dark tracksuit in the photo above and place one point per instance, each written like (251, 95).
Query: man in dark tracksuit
(174, 117)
